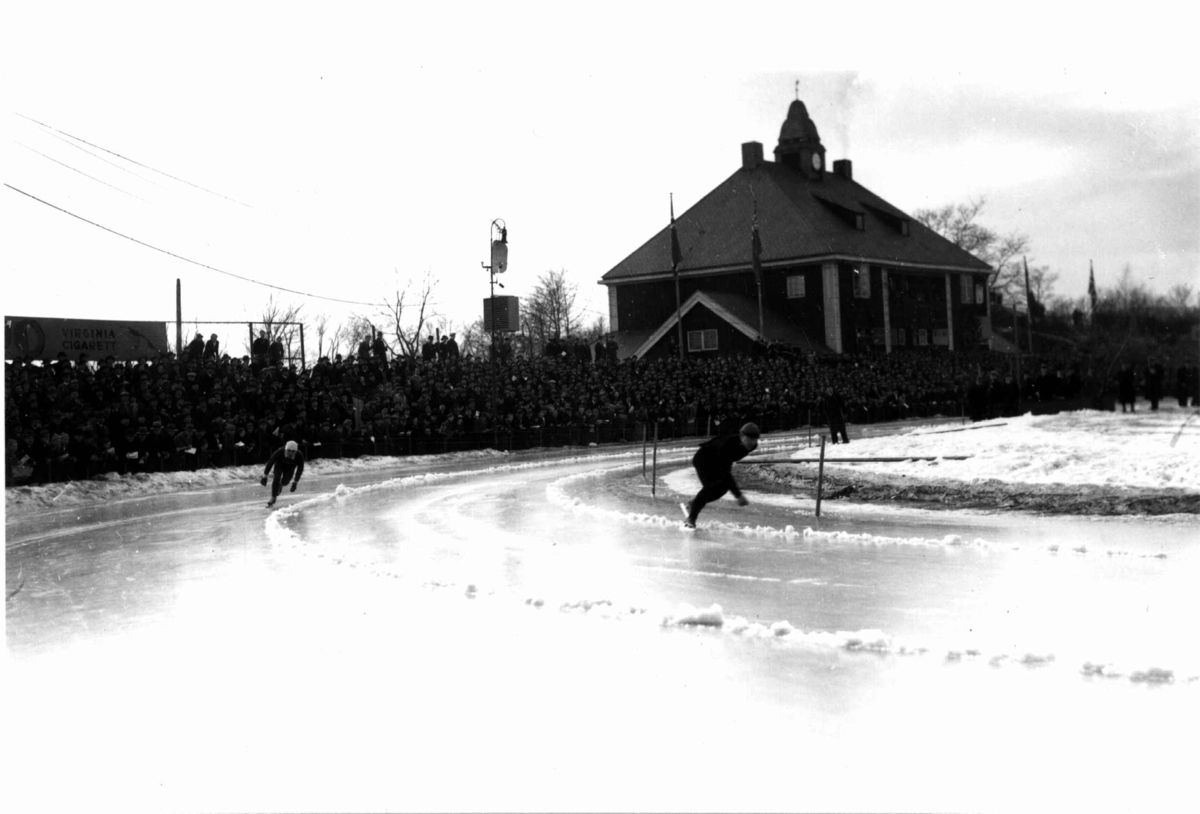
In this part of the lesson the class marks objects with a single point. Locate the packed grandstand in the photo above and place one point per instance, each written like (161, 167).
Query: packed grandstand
(69, 420)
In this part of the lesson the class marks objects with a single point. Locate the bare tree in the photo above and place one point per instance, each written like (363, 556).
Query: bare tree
(596, 330)
(409, 314)
(473, 340)
(550, 310)
(321, 324)
(358, 329)
(280, 321)
(1041, 283)
(1129, 295)
(959, 223)
(1179, 298)
(341, 339)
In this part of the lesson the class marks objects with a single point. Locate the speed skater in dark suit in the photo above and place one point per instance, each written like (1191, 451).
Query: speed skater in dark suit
(714, 464)
(288, 462)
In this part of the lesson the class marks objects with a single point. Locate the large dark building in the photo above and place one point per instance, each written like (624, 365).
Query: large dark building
(839, 269)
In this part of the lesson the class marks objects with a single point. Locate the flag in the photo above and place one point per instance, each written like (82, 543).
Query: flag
(1028, 293)
(1092, 285)
(756, 245)
(756, 263)
(676, 254)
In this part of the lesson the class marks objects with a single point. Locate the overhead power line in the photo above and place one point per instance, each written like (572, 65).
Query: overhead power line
(81, 172)
(132, 161)
(181, 257)
(114, 164)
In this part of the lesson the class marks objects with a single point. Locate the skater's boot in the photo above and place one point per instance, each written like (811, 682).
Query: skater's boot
(689, 521)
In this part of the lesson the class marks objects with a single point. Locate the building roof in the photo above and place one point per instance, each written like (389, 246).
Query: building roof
(800, 220)
(741, 312)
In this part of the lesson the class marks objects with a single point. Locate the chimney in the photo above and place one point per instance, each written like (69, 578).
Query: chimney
(842, 168)
(752, 155)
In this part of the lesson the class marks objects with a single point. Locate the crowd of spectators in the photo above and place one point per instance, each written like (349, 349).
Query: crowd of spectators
(72, 419)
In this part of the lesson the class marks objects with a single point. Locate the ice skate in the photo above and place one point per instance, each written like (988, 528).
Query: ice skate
(688, 523)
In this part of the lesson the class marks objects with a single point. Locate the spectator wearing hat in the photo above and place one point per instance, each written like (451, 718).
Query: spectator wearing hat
(195, 348)
(1182, 389)
(259, 349)
(1155, 374)
(275, 352)
(714, 465)
(1127, 387)
(379, 349)
(835, 415)
(162, 443)
(212, 348)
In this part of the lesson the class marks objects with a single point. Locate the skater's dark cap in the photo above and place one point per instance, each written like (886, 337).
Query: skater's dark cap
(750, 429)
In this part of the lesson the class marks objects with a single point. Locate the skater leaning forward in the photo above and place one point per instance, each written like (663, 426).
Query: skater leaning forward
(714, 464)
(288, 462)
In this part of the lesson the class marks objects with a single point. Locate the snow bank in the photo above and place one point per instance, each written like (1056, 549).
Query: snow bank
(1156, 450)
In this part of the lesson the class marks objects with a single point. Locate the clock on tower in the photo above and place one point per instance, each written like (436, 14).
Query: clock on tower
(799, 143)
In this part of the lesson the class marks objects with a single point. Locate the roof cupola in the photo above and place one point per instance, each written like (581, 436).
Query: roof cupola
(799, 144)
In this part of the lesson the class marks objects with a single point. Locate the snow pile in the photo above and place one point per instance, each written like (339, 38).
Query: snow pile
(24, 499)
(1157, 450)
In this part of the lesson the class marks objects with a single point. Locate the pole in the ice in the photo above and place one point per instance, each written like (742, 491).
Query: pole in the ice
(654, 463)
(820, 475)
(643, 451)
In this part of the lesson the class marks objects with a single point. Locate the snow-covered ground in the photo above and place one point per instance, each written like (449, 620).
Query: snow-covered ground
(1145, 449)
(23, 500)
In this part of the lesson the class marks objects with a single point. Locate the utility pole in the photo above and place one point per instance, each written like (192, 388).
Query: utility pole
(178, 318)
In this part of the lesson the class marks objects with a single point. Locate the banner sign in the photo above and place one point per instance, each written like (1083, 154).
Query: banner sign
(46, 337)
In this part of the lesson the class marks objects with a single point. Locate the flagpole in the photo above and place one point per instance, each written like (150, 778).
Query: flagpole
(1028, 303)
(675, 258)
(756, 261)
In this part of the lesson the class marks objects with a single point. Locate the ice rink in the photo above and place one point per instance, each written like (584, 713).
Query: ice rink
(535, 631)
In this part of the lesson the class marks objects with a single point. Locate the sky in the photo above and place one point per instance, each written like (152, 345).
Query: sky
(329, 159)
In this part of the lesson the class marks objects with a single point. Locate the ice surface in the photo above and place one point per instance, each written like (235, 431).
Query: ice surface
(532, 622)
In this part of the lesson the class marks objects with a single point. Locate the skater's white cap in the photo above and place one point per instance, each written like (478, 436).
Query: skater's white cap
(291, 446)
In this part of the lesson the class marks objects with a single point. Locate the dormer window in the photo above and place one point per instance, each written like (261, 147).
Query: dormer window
(854, 218)
(896, 221)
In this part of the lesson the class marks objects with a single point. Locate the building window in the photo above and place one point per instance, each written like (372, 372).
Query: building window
(967, 286)
(702, 340)
(941, 336)
(922, 337)
(795, 286)
(979, 295)
(862, 282)
(899, 337)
